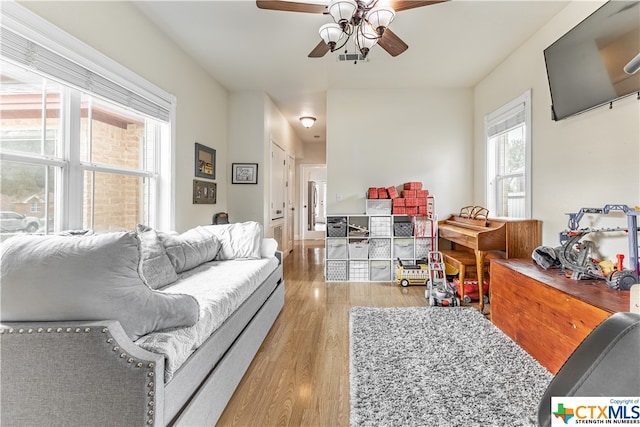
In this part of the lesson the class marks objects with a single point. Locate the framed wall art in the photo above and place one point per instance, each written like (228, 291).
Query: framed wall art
(244, 173)
(204, 192)
(205, 162)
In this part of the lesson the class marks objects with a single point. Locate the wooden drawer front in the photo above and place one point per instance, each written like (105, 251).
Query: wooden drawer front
(549, 324)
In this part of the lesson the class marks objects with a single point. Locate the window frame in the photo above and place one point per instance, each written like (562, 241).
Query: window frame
(492, 119)
(27, 24)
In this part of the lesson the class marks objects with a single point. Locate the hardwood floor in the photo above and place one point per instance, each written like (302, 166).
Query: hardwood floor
(300, 376)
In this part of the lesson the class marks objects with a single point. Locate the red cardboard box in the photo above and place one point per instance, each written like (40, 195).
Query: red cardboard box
(399, 202)
(412, 186)
(409, 194)
(422, 210)
(422, 201)
(411, 202)
(372, 193)
(399, 210)
(422, 193)
(412, 211)
(382, 193)
(393, 193)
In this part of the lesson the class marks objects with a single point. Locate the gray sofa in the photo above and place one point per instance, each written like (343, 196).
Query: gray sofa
(98, 330)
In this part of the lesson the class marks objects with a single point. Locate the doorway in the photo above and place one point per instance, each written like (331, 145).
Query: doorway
(313, 218)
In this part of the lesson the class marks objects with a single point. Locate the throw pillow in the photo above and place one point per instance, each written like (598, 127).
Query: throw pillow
(268, 248)
(155, 267)
(239, 240)
(58, 278)
(190, 249)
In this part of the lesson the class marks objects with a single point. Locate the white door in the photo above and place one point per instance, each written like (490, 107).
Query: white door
(278, 181)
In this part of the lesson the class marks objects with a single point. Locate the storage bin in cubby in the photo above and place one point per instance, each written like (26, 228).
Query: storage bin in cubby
(379, 248)
(337, 226)
(402, 229)
(423, 246)
(403, 248)
(359, 271)
(380, 226)
(337, 271)
(359, 250)
(380, 271)
(337, 249)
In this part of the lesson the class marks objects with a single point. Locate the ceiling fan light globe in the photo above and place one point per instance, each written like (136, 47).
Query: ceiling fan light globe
(331, 34)
(381, 16)
(342, 10)
(366, 37)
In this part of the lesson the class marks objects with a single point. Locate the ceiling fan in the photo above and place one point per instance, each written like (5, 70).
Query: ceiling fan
(366, 20)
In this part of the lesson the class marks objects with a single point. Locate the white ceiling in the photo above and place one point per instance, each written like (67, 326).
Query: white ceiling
(451, 45)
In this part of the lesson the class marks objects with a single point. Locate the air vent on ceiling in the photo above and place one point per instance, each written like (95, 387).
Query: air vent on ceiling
(352, 57)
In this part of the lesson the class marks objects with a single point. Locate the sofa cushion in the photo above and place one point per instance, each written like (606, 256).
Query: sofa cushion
(155, 266)
(190, 249)
(54, 278)
(239, 240)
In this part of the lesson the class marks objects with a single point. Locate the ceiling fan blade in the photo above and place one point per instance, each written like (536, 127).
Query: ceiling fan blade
(399, 5)
(320, 50)
(392, 43)
(290, 6)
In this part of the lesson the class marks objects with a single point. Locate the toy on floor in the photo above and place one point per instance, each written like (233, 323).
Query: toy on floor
(412, 274)
(472, 290)
(439, 290)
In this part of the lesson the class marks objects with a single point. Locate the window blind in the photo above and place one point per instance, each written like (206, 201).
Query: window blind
(506, 120)
(22, 51)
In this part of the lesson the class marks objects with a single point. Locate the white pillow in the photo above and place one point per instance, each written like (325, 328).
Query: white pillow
(239, 240)
(268, 248)
(64, 278)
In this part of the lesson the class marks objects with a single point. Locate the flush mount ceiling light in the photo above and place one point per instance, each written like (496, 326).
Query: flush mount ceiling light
(307, 121)
(365, 22)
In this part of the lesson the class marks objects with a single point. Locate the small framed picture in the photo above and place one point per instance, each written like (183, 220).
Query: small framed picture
(244, 173)
(204, 192)
(205, 162)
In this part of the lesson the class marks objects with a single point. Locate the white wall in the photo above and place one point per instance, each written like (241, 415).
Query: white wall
(247, 145)
(312, 153)
(587, 160)
(255, 121)
(121, 32)
(383, 138)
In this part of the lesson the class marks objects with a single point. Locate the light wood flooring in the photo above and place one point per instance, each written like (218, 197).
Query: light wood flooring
(300, 375)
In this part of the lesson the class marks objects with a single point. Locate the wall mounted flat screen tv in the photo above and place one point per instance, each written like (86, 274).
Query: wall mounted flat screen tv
(597, 61)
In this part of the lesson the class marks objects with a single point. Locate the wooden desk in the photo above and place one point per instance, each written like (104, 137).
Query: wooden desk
(546, 313)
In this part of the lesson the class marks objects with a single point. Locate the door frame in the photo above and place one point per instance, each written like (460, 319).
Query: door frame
(304, 171)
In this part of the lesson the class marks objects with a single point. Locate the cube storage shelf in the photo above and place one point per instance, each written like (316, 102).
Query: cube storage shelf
(365, 248)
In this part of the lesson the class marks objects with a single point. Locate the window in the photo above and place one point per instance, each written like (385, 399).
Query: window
(36, 207)
(78, 150)
(508, 151)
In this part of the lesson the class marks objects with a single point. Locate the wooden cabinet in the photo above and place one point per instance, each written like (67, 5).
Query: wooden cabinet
(546, 313)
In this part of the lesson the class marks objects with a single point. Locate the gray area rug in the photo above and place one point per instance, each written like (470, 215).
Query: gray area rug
(439, 366)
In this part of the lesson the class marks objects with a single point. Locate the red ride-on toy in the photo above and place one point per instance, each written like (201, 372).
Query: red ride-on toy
(472, 291)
